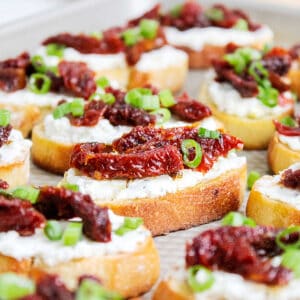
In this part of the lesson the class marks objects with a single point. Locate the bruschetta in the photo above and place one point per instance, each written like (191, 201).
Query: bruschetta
(274, 200)
(172, 178)
(203, 33)
(248, 90)
(236, 262)
(108, 116)
(62, 232)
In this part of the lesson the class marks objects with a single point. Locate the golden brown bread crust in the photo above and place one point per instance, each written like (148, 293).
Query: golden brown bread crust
(267, 211)
(207, 201)
(172, 77)
(280, 156)
(255, 133)
(50, 155)
(130, 274)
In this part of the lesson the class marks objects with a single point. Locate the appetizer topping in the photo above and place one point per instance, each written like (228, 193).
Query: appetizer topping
(3, 184)
(246, 251)
(74, 108)
(207, 278)
(236, 219)
(252, 177)
(129, 225)
(53, 230)
(288, 127)
(72, 233)
(5, 127)
(13, 73)
(291, 179)
(39, 83)
(146, 151)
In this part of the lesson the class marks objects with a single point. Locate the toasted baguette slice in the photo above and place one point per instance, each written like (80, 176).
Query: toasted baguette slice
(130, 274)
(255, 133)
(267, 210)
(207, 201)
(280, 156)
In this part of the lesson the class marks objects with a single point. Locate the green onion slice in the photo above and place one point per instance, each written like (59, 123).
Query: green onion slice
(61, 110)
(268, 95)
(252, 177)
(38, 63)
(39, 83)
(76, 108)
(102, 82)
(188, 146)
(286, 232)
(131, 36)
(166, 98)
(142, 98)
(4, 117)
(55, 50)
(163, 115)
(241, 24)
(13, 286)
(211, 134)
(72, 233)
(133, 96)
(214, 14)
(291, 260)
(28, 193)
(288, 121)
(200, 278)
(71, 187)
(53, 230)
(129, 225)
(148, 28)
(97, 34)
(256, 70)
(91, 290)
(237, 219)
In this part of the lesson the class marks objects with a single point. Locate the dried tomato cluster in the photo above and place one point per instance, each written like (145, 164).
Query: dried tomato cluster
(4, 134)
(291, 179)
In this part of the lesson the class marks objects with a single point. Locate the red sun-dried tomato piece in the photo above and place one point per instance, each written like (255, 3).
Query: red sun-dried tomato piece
(291, 179)
(286, 130)
(3, 184)
(12, 79)
(4, 134)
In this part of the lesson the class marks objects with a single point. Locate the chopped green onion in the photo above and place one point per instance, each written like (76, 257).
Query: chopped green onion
(38, 63)
(214, 14)
(102, 82)
(108, 98)
(4, 117)
(257, 66)
(252, 177)
(55, 50)
(28, 193)
(163, 115)
(71, 186)
(288, 121)
(148, 28)
(149, 102)
(186, 147)
(211, 134)
(133, 96)
(166, 98)
(176, 10)
(61, 110)
(241, 24)
(129, 225)
(131, 36)
(268, 95)
(13, 286)
(72, 233)
(39, 83)
(286, 232)
(53, 230)
(97, 34)
(91, 290)
(237, 219)
(200, 278)
(76, 107)
(291, 260)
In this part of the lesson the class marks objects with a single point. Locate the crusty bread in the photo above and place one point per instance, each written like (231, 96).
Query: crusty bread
(255, 133)
(294, 76)
(130, 274)
(50, 155)
(172, 77)
(280, 156)
(207, 201)
(267, 211)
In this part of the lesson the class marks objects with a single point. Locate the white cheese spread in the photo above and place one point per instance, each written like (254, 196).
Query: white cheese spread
(228, 100)
(293, 142)
(121, 189)
(39, 247)
(16, 150)
(269, 186)
(197, 38)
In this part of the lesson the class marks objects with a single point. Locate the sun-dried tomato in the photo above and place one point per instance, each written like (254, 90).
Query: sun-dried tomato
(98, 164)
(78, 78)
(20, 62)
(60, 203)
(3, 184)
(243, 250)
(278, 82)
(190, 110)
(286, 130)
(291, 179)
(19, 215)
(4, 134)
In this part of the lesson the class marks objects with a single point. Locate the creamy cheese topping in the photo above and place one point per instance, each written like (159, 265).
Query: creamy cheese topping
(269, 186)
(150, 187)
(227, 99)
(17, 149)
(197, 38)
(26, 97)
(293, 142)
(39, 247)
(161, 58)
(95, 62)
